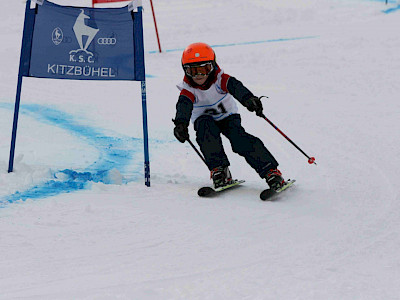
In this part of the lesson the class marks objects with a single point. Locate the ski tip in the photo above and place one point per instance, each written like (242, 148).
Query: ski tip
(205, 191)
(209, 191)
(269, 194)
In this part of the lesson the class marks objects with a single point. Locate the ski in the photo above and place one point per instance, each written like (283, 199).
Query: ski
(209, 191)
(269, 194)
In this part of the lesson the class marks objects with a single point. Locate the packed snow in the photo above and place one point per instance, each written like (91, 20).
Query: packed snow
(78, 222)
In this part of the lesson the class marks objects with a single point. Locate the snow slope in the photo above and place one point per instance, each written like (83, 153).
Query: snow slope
(77, 221)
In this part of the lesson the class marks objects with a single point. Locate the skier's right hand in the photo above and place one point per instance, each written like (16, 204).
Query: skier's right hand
(254, 104)
(181, 132)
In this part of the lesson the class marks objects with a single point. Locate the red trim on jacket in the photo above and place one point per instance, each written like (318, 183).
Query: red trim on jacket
(224, 82)
(187, 80)
(188, 94)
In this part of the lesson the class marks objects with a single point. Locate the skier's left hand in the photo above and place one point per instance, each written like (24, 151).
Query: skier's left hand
(254, 104)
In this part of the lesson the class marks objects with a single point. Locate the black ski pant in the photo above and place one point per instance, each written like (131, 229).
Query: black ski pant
(208, 136)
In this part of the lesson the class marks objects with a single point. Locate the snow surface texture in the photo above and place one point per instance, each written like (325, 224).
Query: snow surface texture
(88, 228)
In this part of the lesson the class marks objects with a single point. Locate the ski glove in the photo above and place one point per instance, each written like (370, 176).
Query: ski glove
(254, 104)
(181, 132)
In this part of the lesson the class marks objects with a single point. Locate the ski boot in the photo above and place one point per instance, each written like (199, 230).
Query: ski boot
(274, 179)
(221, 176)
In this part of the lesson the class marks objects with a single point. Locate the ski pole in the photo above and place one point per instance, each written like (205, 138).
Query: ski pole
(311, 160)
(197, 151)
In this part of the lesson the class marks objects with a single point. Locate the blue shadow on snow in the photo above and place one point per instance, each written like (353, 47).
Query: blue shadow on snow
(390, 10)
(114, 153)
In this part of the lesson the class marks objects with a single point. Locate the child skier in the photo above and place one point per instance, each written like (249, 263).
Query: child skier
(207, 98)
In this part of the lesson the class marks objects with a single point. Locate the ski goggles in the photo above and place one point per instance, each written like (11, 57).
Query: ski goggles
(193, 70)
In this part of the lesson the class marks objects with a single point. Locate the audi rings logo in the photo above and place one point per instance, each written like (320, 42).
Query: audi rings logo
(106, 41)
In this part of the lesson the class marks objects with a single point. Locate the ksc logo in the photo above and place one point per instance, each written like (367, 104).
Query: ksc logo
(57, 36)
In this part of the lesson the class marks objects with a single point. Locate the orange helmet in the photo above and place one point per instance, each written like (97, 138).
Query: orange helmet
(197, 52)
(198, 58)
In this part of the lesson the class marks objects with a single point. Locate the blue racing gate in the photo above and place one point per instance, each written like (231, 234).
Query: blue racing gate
(65, 42)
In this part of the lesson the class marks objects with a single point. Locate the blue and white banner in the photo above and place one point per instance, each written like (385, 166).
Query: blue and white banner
(68, 42)
(85, 43)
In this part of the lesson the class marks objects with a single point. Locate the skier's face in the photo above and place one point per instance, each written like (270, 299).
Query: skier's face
(199, 72)
(200, 79)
